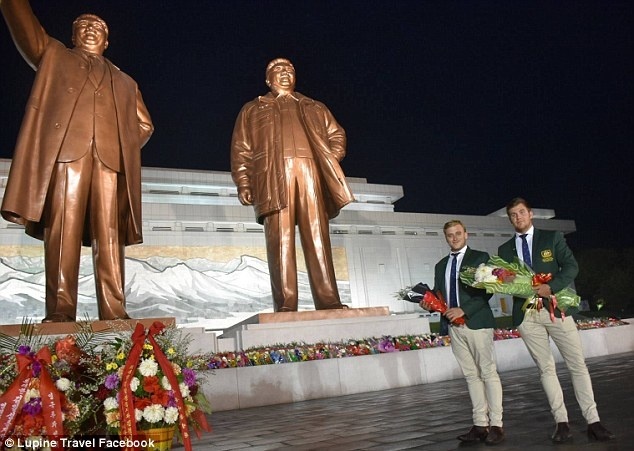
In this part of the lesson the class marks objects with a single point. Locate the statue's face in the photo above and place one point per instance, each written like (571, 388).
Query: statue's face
(281, 78)
(90, 35)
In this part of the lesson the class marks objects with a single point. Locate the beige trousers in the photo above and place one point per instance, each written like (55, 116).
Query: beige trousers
(473, 349)
(535, 331)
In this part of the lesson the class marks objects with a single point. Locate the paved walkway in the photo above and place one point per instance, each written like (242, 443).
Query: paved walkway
(430, 416)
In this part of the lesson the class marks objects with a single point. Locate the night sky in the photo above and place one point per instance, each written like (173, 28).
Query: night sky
(466, 104)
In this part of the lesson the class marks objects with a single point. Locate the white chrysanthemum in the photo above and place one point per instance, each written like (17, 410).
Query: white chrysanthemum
(31, 393)
(171, 415)
(138, 415)
(484, 273)
(62, 384)
(148, 367)
(184, 389)
(111, 403)
(134, 383)
(154, 413)
(165, 383)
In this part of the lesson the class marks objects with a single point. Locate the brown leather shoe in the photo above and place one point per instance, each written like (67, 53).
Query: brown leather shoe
(475, 433)
(495, 435)
(562, 433)
(598, 432)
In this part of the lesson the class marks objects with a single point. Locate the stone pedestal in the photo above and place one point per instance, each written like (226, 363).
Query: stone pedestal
(267, 329)
(13, 330)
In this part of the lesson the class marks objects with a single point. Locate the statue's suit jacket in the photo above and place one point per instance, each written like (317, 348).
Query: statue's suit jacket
(257, 159)
(550, 254)
(61, 74)
(473, 301)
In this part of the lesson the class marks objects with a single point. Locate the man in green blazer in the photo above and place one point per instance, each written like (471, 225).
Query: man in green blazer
(547, 252)
(471, 344)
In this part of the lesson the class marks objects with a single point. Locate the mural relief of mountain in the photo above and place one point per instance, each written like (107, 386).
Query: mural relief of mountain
(189, 290)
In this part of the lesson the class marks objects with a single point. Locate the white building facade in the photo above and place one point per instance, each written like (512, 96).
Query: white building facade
(203, 259)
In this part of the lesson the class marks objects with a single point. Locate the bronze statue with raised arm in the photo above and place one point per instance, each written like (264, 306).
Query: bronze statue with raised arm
(285, 155)
(75, 177)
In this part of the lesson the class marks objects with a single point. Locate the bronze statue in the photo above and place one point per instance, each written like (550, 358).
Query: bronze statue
(75, 177)
(285, 155)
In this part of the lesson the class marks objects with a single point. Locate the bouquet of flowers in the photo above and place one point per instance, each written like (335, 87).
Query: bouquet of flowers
(422, 293)
(50, 392)
(151, 383)
(517, 279)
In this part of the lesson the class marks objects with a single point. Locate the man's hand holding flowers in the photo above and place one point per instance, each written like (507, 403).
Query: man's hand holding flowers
(454, 314)
(434, 302)
(543, 290)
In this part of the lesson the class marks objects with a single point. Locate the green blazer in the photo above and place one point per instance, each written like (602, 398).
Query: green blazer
(550, 254)
(473, 301)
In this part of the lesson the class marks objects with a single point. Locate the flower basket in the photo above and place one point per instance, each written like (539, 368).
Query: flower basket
(160, 438)
(152, 386)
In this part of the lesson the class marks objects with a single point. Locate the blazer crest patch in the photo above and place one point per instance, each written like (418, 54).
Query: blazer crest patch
(547, 255)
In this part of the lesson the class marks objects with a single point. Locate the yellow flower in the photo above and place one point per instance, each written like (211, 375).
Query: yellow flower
(121, 356)
(147, 346)
(53, 358)
(111, 366)
(171, 351)
(112, 418)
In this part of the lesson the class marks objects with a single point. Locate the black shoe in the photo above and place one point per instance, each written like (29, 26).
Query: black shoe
(475, 433)
(562, 433)
(596, 431)
(495, 436)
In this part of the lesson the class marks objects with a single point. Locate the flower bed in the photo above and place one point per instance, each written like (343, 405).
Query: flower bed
(302, 352)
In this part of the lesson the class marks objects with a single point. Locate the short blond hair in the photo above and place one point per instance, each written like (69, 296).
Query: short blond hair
(452, 223)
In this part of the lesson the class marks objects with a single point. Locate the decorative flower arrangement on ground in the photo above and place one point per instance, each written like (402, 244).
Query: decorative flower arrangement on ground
(94, 383)
(517, 279)
(150, 383)
(303, 352)
(48, 389)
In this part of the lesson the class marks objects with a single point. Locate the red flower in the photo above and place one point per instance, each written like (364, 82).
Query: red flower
(541, 278)
(66, 349)
(161, 397)
(102, 393)
(141, 403)
(151, 384)
(32, 424)
(438, 304)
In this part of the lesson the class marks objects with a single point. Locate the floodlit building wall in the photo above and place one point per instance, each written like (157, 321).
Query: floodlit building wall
(203, 259)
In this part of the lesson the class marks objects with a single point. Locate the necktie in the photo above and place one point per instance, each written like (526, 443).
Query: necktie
(453, 294)
(526, 253)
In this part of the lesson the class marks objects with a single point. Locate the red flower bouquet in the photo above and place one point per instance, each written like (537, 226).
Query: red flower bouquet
(421, 293)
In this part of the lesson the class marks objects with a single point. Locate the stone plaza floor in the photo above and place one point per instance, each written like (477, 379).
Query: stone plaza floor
(430, 416)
